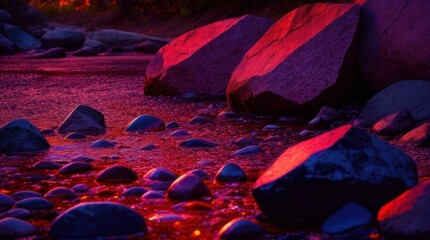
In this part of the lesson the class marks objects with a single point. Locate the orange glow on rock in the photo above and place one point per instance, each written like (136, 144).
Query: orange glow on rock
(196, 233)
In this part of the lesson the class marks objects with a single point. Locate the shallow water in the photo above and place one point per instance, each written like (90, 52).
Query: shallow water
(45, 91)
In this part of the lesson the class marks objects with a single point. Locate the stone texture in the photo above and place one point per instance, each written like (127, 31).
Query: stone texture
(13, 228)
(6, 202)
(145, 123)
(306, 60)
(419, 135)
(97, 220)
(116, 174)
(83, 119)
(66, 38)
(241, 228)
(202, 60)
(198, 143)
(188, 187)
(408, 215)
(75, 168)
(348, 217)
(394, 124)
(160, 174)
(394, 41)
(21, 136)
(314, 178)
(61, 193)
(34, 203)
(412, 95)
(23, 40)
(101, 143)
(230, 172)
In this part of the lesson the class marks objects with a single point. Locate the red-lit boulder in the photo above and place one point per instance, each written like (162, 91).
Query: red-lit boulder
(412, 95)
(419, 135)
(407, 216)
(314, 178)
(202, 60)
(305, 60)
(394, 41)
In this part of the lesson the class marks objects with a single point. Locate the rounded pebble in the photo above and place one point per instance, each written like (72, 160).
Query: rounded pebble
(13, 228)
(46, 165)
(34, 203)
(116, 174)
(230, 172)
(198, 143)
(188, 187)
(61, 193)
(101, 143)
(179, 133)
(134, 192)
(145, 123)
(75, 168)
(25, 194)
(241, 228)
(172, 125)
(246, 151)
(160, 174)
(75, 135)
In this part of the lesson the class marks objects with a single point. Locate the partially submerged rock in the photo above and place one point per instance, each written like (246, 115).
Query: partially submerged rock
(66, 38)
(21, 136)
(314, 178)
(83, 119)
(145, 123)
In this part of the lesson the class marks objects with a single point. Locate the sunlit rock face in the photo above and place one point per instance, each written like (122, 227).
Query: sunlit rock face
(407, 216)
(202, 60)
(21, 136)
(83, 119)
(412, 95)
(305, 60)
(314, 178)
(419, 135)
(394, 41)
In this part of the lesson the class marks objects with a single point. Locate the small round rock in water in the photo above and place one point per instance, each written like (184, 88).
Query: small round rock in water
(199, 173)
(152, 195)
(25, 194)
(241, 228)
(134, 192)
(61, 193)
(179, 133)
(198, 143)
(160, 174)
(116, 174)
(75, 168)
(20, 213)
(230, 172)
(200, 119)
(188, 187)
(145, 123)
(34, 203)
(75, 135)
(271, 127)
(6, 202)
(350, 216)
(13, 228)
(101, 143)
(149, 147)
(165, 217)
(80, 188)
(172, 125)
(46, 165)
(97, 220)
(246, 151)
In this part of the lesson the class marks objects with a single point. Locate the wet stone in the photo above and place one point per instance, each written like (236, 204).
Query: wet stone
(134, 192)
(83, 119)
(394, 124)
(165, 217)
(80, 188)
(152, 195)
(56, 52)
(200, 120)
(179, 133)
(160, 174)
(38, 178)
(85, 52)
(101, 143)
(246, 151)
(46, 165)
(205, 163)
(197, 143)
(243, 142)
(145, 123)
(225, 115)
(81, 158)
(75, 135)
(34, 203)
(199, 173)
(350, 216)
(6, 202)
(13, 228)
(271, 127)
(172, 125)
(188, 187)
(61, 193)
(47, 131)
(116, 175)
(241, 228)
(25, 194)
(193, 206)
(272, 139)
(113, 157)
(159, 185)
(75, 168)
(230, 172)
(16, 213)
(148, 147)
(98, 219)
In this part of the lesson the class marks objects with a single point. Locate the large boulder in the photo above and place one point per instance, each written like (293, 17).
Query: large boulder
(65, 38)
(202, 60)
(83, 119)
(23, 40)
(112, 37)
(412, 95)
(20, 135)
(314, 178)
(6, 46)
(394, 41)
(305, 60)
(407, 216)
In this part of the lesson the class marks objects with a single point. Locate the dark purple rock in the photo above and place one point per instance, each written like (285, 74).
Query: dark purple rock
(230, 172)
(419, 135)
(25, 194)
(85, 52)
(193, 206)
(172, 125)
(81, 158)
(116, 175)
(134, 192)
(149, 147)
(243, 142)
(21, 136)
(160, 174)
(348, 217)
(147, 47)
(83, 119)
(199, 173)
(199, 120)
(246, 151)
(6, 46)
(408, 215)
(56, 52)
(64, 38)
(198, 143)
(75, 168)
(152, 195)
(324, 118)
(75, 135)
(241, 228)
(188, 187)
(101, 143)
(23, 40)
(226, 115)
(13, 228)
(394, 124)
(277, 75)
(314, 178)
(179, 133)
(80, 188)
(46, 165)
(6, 202)
(34, 203)
(16, 213)
(145, 123)
(97, 220)
(61, 193)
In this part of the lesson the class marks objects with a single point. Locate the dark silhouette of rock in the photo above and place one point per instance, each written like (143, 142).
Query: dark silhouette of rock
(394, 124)
(408, 215)
(199, 120)
(46, 165)
(21, 136)
(172, 125)
(75, 135)
(148, 147)
(419, 135)
(16, 213)
(179, 133)
(145, 123)
(85, 52)
(75, 168)
(306, 60)
(101, 143)
(25, 194)
(61, 193)
(243, 142)
(241, 228)
(6, 202)
(57, 52)
(324, 118)
(13, 228)
(147, 47)
(160, 174)
(348, 217)
(23, 40)
(112, 37)
(66, 38)
(198, 142)
(188, 187)
(116, 174)
(83, 119)
(95, 45)
(97, 220)
(246, 151)
(152, 195)
(412, 95)
(34, 203)
(230, 172)
(202, 60)
(6, 46)
(393, 41)
(134, 192)
(314, 178)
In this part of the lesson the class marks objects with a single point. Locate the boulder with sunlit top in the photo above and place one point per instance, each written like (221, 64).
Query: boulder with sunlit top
(306, 60)
(202, 60)
(313, 179)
